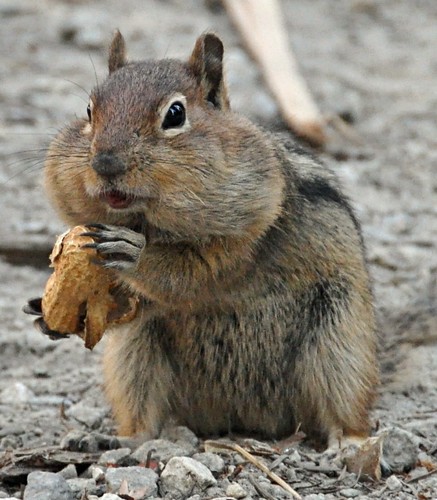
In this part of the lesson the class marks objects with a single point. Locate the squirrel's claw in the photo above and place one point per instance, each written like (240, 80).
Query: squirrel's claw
(41, 325)
(106, 233)
(119, 246)
(33, 307)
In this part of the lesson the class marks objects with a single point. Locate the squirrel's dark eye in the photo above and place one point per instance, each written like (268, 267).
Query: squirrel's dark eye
(175, 116)
(88, 112)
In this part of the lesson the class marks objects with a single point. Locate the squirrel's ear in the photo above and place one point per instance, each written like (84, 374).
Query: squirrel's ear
(117, 52)
(206, 62)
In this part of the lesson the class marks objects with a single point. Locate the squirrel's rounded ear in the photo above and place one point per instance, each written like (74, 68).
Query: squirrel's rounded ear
(206, 62)
(117, 52)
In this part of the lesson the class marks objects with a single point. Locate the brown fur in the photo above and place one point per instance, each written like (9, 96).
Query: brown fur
(257, 312)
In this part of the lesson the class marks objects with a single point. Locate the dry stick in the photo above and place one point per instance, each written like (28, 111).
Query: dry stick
(263, 32)
(260, 490)
(248, 456)
(423, 476)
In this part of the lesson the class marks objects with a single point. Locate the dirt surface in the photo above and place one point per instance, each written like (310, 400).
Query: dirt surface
(371, 62)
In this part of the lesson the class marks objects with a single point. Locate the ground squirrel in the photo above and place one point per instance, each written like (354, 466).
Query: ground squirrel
(256, 313)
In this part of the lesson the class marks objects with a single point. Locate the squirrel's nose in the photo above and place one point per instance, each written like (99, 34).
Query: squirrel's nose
(108, 165)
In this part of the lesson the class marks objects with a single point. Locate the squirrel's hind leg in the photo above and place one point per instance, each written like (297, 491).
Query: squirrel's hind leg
(137, 384)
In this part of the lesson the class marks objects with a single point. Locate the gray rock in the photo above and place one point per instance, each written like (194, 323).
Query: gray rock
(163, 450)
(47, 486)
(69, 472)
(79, 485)
(116, 457)
(137, 478)
(180, 433)
(184, 476)
(110, 496)
(400, 449)
(212, 461)
(235, 490)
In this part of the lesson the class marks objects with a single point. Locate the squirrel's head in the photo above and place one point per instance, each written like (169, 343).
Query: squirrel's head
(160, 141)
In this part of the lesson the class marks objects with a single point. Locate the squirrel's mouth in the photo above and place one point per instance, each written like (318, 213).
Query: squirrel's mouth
(117, 199)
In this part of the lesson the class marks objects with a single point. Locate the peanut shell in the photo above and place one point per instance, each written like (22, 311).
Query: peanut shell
(80, 296)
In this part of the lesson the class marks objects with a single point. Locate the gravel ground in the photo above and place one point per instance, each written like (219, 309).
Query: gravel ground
(371, 62)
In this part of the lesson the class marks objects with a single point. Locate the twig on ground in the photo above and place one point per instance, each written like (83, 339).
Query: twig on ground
(248, 456)
(422, 476)
(260, 490)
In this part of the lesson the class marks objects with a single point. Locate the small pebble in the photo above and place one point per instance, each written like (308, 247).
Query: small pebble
(393, 483)
(234, 490)
(97, 473)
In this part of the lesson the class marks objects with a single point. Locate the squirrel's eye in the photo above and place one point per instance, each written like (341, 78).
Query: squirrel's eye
(88, 112)
(175, 116)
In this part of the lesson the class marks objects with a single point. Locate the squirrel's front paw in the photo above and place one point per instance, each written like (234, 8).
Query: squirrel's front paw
(119, 246)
